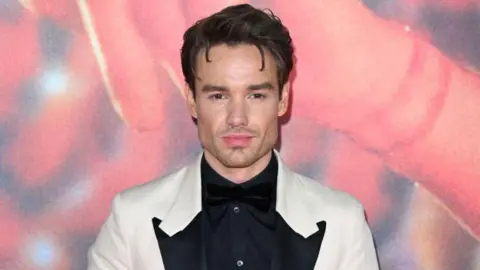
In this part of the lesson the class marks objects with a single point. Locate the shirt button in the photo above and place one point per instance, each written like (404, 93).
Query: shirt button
(239, 263)
(236, 209)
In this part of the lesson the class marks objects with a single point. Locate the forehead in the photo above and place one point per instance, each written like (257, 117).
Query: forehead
(235, 65)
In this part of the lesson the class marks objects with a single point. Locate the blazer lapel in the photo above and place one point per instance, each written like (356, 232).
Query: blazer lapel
(184, 250)
(293, 251)
(180, 232)
(188, 200)
(299, 232)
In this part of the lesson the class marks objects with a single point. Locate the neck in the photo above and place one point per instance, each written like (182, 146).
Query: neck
(239, 175)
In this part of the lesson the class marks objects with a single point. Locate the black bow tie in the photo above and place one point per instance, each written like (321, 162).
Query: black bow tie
(259, 196)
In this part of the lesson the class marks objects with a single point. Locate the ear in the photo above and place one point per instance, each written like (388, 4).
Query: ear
(284, 99)
(192, 106)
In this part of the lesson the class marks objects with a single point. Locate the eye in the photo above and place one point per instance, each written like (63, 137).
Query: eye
(258, 96)
(216, 96)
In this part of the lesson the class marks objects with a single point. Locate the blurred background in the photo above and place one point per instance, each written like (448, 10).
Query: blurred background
(91, 103)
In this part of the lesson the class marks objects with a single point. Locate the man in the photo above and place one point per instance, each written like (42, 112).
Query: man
(238, 205)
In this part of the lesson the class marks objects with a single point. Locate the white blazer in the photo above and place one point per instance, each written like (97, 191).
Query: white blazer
(127, 239)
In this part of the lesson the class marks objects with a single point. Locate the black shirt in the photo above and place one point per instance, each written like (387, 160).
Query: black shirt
(238, 235)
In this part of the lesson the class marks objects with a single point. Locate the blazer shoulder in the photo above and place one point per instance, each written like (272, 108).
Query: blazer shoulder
(155, 195)
(330, 198)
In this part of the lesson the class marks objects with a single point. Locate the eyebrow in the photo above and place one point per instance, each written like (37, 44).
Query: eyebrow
(252, 87)
(213, 88)
(265, 85)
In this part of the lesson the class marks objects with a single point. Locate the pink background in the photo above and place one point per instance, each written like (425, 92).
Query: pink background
(90, 104)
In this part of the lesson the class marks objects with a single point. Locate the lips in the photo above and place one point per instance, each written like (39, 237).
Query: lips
(237, 140)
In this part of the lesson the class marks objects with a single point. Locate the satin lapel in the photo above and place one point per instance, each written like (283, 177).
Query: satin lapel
(293, 251)
(184, 250)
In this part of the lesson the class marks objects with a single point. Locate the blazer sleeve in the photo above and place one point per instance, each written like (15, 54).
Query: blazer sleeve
(110, 250)
(360, 253)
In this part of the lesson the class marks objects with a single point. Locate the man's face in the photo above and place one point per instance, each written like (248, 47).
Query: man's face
(237, 104)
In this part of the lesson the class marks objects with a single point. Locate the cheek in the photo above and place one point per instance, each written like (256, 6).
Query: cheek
(266, 120)
(210, 110)
(210, 121)
(273, 127)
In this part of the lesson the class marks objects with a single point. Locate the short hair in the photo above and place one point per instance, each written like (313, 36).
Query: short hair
(237, 25)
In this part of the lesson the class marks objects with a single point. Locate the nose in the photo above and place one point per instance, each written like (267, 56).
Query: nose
(237, 113)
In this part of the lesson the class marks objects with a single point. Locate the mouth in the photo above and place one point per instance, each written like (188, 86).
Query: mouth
(237, 140)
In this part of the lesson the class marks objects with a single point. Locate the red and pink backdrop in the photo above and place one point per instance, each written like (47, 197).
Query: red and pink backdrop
(386, 106)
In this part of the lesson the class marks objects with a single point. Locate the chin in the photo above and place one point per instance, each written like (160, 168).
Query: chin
(237, 158)
(234, 164)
